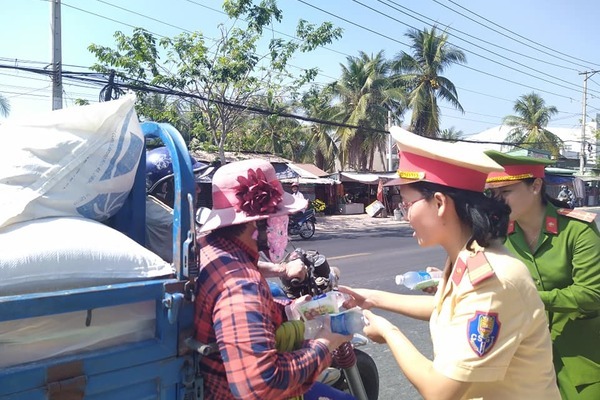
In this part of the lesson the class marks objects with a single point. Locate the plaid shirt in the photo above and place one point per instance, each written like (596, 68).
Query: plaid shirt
(235, 309)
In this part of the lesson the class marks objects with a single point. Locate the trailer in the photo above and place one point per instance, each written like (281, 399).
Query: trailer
(129, 340)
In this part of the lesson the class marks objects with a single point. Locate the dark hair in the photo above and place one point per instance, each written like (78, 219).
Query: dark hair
(487, 216)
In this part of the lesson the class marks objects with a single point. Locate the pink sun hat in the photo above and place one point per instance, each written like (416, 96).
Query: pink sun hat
(245, 191)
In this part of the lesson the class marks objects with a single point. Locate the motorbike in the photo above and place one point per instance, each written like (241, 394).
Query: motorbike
(302, 224)
(359, 376)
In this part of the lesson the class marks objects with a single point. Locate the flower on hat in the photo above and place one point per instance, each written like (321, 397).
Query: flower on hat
(256, 195)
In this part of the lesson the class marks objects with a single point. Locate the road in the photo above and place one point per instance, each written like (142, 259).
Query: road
(371, 258)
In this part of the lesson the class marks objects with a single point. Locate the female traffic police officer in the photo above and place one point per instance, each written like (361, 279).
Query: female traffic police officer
(561, 249)
(488, 327)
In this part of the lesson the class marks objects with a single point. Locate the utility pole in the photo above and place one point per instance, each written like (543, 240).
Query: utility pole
(587, 75)
(57, 88)
(389, 144)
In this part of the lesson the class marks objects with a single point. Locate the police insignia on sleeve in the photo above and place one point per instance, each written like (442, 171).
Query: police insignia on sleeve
(483, 331)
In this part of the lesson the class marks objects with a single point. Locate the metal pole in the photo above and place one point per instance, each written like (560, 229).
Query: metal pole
(582, 150)
(389, 144)
(583, 118)
(57, 88)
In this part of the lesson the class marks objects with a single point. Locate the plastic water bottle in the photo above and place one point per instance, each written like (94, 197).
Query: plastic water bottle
(418, 280)
(326, 303)
(348, 322)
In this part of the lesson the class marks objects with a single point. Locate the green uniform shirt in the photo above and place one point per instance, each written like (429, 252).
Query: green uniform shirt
(565, 267)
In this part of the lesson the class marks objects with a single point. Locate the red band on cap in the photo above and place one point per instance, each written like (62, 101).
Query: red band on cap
(443, 172)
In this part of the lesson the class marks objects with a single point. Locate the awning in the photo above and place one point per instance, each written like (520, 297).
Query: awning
(314, 181)
(366, 177)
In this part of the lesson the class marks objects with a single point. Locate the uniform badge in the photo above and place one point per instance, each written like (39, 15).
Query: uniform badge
(483, 331)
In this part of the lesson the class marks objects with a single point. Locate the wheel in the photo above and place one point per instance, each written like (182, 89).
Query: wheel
(307, 230)
(368, 373)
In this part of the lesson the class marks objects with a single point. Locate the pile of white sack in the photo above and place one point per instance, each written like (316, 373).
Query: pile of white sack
(62, 174)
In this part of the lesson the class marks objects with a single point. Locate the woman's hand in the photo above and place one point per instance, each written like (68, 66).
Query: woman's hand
(431, 289)
(359, 297)
(377, 327)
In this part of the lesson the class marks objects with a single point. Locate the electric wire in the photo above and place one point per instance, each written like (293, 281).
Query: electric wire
(514, 33)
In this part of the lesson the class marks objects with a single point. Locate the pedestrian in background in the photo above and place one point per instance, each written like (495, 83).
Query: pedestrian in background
(487, 322)
(561, 249)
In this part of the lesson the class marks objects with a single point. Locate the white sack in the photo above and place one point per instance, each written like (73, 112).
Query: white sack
(51, 254)
(79, 161)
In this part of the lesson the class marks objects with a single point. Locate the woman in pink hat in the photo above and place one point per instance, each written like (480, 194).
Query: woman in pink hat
(234, 306)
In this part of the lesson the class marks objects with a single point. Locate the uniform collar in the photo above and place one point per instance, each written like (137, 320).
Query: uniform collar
(550, 222)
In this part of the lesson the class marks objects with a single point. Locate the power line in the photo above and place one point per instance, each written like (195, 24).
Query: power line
(150, 88)
(514, 33)
(475, 37)
(460, 65)
(479, 55)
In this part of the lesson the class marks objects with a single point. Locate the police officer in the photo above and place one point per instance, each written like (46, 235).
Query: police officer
(487, 322)
(561, 248)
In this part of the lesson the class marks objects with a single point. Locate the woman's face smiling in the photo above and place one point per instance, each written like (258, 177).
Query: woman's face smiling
(421, 215)
(520, 197)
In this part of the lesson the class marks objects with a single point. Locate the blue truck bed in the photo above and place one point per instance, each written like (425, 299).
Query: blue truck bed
(158, 366)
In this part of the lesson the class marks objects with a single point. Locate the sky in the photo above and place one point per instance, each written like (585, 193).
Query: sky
(513, 47)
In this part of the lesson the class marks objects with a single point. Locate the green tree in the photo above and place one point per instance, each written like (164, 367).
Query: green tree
(272, 133)
(421, 73)
(223, 77)
(529, 124)
(451, 134)
(366, 93)
(4, 106)
(317, 103)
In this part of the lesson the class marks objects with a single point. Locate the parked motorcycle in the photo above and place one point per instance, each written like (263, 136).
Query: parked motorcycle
(360, 376)
(302, 224)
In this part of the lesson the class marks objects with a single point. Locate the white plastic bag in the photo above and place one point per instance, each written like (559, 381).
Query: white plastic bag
(79, 161)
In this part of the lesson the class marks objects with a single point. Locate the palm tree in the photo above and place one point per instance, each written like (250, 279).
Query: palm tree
(4, 106)
(317, 103)
(451, 134)
(365, 92)
(529, 125)
(421, 74)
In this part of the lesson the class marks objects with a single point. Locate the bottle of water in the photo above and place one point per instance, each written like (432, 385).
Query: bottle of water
(326, 303)
(418, 280)
(348, 322)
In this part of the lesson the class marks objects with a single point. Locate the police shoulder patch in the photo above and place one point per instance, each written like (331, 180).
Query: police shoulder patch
(577, 214)
(478, 267)
(483, 330)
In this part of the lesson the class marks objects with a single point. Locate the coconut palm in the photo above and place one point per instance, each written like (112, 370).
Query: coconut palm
(451, 134)
(4, 106)
(421, 73)
(316, 103)
(529, 124)
(365, 92)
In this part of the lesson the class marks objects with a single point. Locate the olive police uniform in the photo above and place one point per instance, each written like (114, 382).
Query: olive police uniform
(566, 270)
(488, 326)
(565, 267)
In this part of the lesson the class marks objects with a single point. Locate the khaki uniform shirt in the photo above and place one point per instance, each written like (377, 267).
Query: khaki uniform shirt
(565, 266)
(489, 328)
